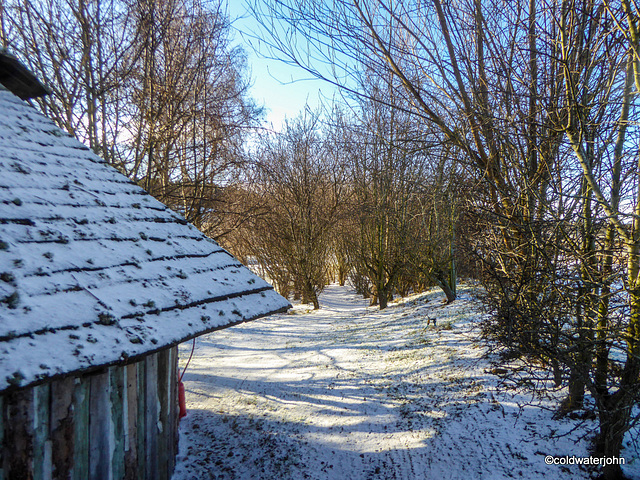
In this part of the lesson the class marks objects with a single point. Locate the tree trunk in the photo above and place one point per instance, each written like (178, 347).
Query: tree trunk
(602, 345)
(309, 294)
(575, 400)
(383, 298)
(614, 422)
(343, 270)
(444, 284)
(557, 372)
(583, 356)
(615, 409)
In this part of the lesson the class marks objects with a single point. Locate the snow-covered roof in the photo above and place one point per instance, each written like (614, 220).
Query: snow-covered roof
(93, 270)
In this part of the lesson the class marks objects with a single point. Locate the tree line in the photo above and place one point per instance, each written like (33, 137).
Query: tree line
(351, 197)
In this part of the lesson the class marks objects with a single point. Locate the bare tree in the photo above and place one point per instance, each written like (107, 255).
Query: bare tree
(389, 226)
(304, 189)
(153, 86)
(601, 68)
(187, 102)
(78, 48)
(437, 204)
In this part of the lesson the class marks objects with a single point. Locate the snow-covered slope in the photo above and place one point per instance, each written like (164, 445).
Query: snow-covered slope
(349, 392)
(93, 270)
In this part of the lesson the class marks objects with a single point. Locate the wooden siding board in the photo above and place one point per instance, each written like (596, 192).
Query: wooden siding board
(99, 427)
(152, 418)
(141, 423)
(172, 433)
(117, 384)
(81, 428)
(163, 414)
(131, 432)
(18, 442)
(41, 442)
(62, 426)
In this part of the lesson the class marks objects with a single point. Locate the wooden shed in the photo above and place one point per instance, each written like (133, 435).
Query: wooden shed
(99, 282)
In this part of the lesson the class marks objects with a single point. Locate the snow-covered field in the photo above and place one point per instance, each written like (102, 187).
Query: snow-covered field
(349, 392)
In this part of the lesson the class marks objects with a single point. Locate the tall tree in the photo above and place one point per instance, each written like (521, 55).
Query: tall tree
(79, 49)
(304, 189)
(601, 78)
(155, 87)
(389, 228)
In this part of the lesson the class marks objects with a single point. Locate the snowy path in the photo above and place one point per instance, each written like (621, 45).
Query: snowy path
(349, 392)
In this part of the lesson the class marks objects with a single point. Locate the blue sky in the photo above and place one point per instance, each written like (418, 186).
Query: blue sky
(283, 89)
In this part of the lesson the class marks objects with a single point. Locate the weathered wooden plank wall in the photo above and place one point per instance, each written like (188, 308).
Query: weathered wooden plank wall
(118, 423)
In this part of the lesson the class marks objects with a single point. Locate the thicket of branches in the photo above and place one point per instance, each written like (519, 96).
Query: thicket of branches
(156, 89)
(302, 181)
(536, 102)
(356, 198)
(153, 86)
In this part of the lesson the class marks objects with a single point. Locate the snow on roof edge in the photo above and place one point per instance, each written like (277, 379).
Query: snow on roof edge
(134, 358)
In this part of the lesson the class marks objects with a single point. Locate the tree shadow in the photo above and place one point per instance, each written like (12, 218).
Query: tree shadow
(304, 404)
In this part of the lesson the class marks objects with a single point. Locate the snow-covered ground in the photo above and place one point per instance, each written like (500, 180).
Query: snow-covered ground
(349, 392)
